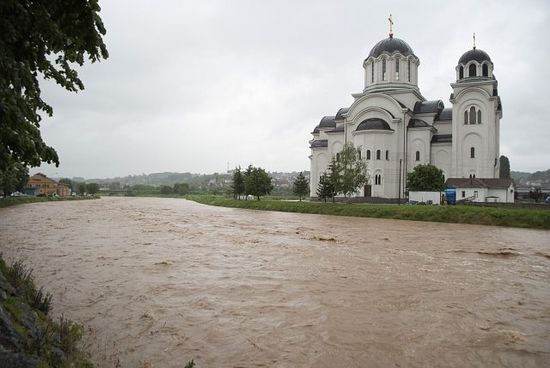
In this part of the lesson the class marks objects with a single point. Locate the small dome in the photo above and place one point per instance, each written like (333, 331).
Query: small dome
(474, 54)
(373, 124)
(391, 45)
(327, 122)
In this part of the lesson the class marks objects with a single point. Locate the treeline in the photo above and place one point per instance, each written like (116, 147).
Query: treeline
(80, 187)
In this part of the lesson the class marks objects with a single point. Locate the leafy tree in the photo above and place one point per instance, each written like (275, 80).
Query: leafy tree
(13, 177)
(504, 168)
(81, 188)
(426, 178)
(68, 182)
(238, 187)
(257, 182)
(181, 188)
(92, 188)
(165, 189)
(300, 186)
(335, 177)
(41, 39)
(352, 170)
(325, 189)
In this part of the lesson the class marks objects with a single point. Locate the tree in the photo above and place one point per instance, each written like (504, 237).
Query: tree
(13, 177)
(81, 188)
(325, 189)
(92, 188)
(300, 186)
(181, 188)
(426, 178)
(257, 182)
(238, 187)
(41, 39)
(352, 170)
(68, 182)
(504, 168)
(334, 177)
(165, 189)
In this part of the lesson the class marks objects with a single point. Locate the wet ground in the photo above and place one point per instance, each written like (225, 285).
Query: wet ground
(158, 282)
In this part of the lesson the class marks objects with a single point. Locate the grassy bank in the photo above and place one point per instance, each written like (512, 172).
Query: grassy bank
(28, 336)
(12, 201)
(513, 217)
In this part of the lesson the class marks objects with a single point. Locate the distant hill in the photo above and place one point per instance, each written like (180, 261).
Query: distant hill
(536, 179)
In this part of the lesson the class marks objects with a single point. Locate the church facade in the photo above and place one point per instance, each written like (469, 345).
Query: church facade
(395, 128)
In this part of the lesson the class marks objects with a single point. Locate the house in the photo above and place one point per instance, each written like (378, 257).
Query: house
(482, 190)
(395, 128)
(40, 184)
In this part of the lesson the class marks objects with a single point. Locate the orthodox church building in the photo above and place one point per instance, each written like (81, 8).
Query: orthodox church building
(395, 128)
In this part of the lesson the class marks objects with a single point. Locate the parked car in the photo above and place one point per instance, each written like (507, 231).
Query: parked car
(547, 200)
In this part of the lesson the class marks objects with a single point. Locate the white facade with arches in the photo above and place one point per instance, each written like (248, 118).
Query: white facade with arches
(395, 128)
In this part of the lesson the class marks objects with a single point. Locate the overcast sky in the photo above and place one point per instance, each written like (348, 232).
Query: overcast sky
(202, 85)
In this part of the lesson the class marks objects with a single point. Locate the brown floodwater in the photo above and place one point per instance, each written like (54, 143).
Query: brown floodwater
(157, 282)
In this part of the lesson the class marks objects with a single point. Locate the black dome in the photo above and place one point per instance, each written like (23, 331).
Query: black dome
(474, 54)
(373, 124)
(391, 45)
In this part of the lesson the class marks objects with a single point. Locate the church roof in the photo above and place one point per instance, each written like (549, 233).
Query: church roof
(442, 138)
(417, 123)
(446, 114)
(373, 124)
(341, 112)
(474, 54)
(479, 183)
(327, 122)
(391, 45)
(422, 107)
(319, 143)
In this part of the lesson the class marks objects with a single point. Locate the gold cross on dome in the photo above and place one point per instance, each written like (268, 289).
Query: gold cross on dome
(474, 40)
(390, 19)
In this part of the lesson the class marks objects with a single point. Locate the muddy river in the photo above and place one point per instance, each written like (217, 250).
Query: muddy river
(157, 282)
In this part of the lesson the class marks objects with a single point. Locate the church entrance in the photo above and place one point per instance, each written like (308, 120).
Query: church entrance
(368, 190)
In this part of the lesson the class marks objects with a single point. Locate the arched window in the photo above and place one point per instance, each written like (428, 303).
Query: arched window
(485, 70)
(372, 72)
(409, 69)
(338, 157)
(383, 69)
(378, 154)
(461, 72)
(472, 115)
(472, 71)
(465, 117)
(417, 155)
(396, 69)
(479, 116)
(387, 155)
(472, 152)
(377, 179)
(368, 154)
(359, 153)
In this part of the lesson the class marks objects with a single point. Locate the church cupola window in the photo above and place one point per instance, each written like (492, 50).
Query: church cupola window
(472, 70)
(383, 69)
(479, 116)
(396, 69)
(485, 70)
(409, 69)
(387, 155)
(378, 154)
(472, 152)
(417, 156)
(465, 117)
(372, 72)
(368, 154)
(472, 115)
(359, 153)
(461, 72)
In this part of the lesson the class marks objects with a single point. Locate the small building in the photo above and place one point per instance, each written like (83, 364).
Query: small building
(482, 189)
(40, 184)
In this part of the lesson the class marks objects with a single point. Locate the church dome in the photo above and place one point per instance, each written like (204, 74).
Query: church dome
(391, 45)
(373, 124)
(474, 54)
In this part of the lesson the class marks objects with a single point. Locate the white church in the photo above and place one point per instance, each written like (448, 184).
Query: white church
(395, 128)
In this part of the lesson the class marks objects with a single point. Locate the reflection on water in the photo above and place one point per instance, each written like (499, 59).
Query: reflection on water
(163, 281)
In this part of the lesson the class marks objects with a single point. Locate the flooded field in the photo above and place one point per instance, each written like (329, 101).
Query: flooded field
(158, 282)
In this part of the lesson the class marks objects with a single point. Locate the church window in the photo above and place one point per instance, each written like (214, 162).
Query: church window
(472, 115)
(472, 70)
(461, 72)
(479, 116)
(465, 117)
(485, 70)
(372, 72)
(396, 69)
(368, 154)
(417, 156)
(383, 69)
(359, 153)
(378, 154)
(377, 179)
(387, 155)
(338, 157)
(409, 69)
(472, 152)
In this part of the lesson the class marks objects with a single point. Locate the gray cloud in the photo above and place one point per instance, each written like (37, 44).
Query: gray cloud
(195, 86)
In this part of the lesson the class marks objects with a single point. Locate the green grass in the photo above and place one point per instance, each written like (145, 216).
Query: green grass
(512, 217)
(12, 201)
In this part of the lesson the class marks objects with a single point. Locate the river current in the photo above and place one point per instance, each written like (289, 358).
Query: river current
(157, 282)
